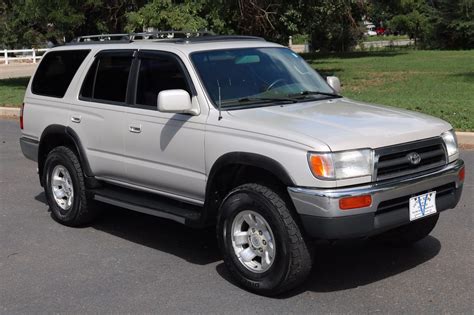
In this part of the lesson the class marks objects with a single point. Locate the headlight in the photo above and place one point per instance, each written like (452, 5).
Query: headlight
(342, 165)
(451, 143)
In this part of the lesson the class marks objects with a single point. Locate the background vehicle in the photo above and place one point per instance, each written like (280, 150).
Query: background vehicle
(238, 133)
(380, 31)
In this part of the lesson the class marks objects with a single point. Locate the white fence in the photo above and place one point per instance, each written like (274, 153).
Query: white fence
(21, 54)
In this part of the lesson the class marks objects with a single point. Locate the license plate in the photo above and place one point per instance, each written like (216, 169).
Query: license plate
(422, 205)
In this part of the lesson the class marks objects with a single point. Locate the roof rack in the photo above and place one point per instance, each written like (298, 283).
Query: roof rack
(159, 35)
(101, 38)
(179, 37)
(216, 38)
(165, 35)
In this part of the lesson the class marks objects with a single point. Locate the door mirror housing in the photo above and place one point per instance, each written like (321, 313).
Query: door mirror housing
(335, 83)
(176, 101)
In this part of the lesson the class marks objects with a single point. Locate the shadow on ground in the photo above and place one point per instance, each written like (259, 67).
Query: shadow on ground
(350, 264)
(338, 266)
(466, 76)
(198, 246)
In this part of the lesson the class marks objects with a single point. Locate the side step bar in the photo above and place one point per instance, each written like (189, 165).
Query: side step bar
(149, 203)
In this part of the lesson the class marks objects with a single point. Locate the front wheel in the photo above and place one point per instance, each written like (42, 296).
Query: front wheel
(262, 245)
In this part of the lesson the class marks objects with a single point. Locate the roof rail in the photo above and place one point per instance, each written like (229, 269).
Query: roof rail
(158, 35)
(179, 37)
(169, 35)
(102, 38)
(217, 38)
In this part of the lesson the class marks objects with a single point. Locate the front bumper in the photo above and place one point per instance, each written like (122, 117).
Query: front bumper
(322, 218)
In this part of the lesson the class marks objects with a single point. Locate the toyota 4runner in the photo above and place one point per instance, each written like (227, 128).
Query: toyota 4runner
(236, 132)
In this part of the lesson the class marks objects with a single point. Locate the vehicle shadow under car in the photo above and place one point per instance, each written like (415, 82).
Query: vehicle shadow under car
(337, 265)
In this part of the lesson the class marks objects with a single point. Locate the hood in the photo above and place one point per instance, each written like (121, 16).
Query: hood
(343, 124)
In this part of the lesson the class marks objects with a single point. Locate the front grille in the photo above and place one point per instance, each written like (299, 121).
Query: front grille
(403, 202)
(393, 161)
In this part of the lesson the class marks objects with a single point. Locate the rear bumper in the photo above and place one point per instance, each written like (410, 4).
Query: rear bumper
(322, 218)
(29, 147)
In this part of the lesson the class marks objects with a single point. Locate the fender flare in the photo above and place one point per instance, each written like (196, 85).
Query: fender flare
(71, 136)
(249, 159)
(239, 158)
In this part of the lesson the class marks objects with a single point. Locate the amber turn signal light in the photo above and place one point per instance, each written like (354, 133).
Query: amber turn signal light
(355, 202)
(321, 165)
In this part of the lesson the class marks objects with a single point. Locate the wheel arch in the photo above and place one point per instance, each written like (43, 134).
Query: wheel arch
(235, 168)
(59, 135)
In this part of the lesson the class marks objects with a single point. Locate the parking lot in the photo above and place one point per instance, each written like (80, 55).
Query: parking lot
(128, 262)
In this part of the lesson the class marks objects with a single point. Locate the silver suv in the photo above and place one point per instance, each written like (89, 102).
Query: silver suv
(239, 133)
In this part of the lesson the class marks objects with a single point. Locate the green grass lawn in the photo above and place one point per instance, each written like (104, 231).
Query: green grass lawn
(439, 83)
(12, 91)
(382, 38)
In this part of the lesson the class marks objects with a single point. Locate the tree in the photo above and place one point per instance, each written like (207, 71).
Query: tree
(35, 22)
(453, 24)
(415, 24)
(446, 24)
(108, 16)
(334, 25)
(167, 15)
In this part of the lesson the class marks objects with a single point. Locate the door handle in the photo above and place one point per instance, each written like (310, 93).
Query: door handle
(135, 129)
(76, 119)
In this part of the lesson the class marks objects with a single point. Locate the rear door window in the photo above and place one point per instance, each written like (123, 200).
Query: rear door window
(56, 72)
(107, 79)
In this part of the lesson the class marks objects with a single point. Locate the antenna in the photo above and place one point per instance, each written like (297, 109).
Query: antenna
(219, 104)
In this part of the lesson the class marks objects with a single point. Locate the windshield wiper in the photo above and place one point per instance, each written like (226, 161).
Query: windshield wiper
(260, 99)
(305, 93)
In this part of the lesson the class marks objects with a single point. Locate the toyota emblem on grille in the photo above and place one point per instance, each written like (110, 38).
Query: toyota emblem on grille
(414, 158)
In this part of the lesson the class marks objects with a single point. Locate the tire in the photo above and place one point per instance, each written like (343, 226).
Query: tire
(408, 234)
(290, 257)
(63, 164)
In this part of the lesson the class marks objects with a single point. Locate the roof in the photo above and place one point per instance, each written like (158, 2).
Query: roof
(185, 45)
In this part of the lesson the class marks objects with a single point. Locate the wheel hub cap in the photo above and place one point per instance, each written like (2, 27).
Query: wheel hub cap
(62, 187)
(253, 241)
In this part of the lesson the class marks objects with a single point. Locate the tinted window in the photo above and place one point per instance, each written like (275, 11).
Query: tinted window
(247, 76)
(88, 84)
(56, 71)
(158, 73)
(107, 78)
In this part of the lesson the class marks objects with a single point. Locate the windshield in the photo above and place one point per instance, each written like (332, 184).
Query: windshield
(258, 76)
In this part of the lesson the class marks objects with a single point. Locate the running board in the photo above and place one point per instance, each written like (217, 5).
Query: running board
(149, 203)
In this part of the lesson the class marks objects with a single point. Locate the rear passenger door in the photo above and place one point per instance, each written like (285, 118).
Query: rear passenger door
(98, 115)
(48, 101)
(164, 151)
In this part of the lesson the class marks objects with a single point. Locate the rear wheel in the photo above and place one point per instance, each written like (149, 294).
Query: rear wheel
(409, 234)
(65, 189)
(262, 244)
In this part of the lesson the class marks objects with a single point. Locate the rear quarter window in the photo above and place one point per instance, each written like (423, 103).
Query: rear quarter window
(56, 71)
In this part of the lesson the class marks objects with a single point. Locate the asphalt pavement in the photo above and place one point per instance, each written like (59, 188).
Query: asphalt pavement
(128, 262)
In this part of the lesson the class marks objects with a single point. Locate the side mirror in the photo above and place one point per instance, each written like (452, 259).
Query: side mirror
(176, 101)
(334, 83)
